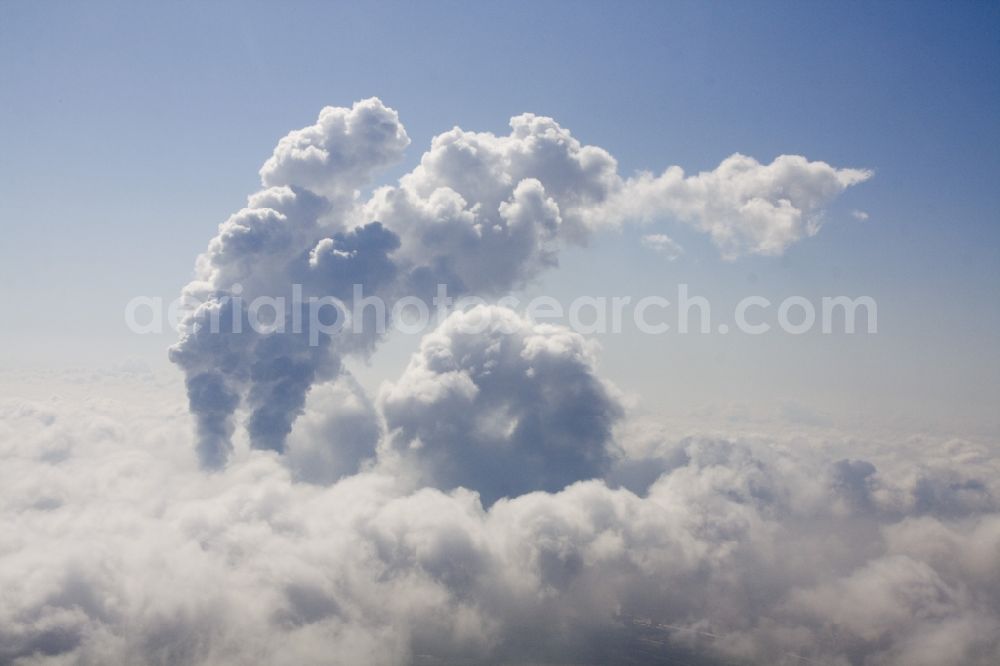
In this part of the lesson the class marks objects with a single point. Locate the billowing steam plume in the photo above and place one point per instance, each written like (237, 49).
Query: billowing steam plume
(481, 213)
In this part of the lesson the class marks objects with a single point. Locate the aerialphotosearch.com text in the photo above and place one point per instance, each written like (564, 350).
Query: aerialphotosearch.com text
(327, 315)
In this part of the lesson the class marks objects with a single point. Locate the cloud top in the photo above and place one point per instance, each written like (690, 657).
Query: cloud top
(342, 151)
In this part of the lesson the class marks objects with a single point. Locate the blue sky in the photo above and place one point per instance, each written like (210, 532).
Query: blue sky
(128, 132)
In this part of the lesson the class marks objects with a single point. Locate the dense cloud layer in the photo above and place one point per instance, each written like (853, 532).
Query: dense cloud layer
(117, 548)
(481, 213)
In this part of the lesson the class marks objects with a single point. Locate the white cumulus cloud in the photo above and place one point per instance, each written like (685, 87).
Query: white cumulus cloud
(117, 548)
(663, 244)
(744, 206)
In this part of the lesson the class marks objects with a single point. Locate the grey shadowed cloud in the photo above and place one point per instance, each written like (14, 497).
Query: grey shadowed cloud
(482, 213)
(510, 408)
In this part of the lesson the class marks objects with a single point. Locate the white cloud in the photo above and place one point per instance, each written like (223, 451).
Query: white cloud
(341, 152)
(859, 215)
(744, 206)
(118, 549)
(487, 213)
(337, 434)
(663, 244)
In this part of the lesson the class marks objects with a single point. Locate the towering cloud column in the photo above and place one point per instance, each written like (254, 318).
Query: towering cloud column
(299, 230)
(481, 213)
